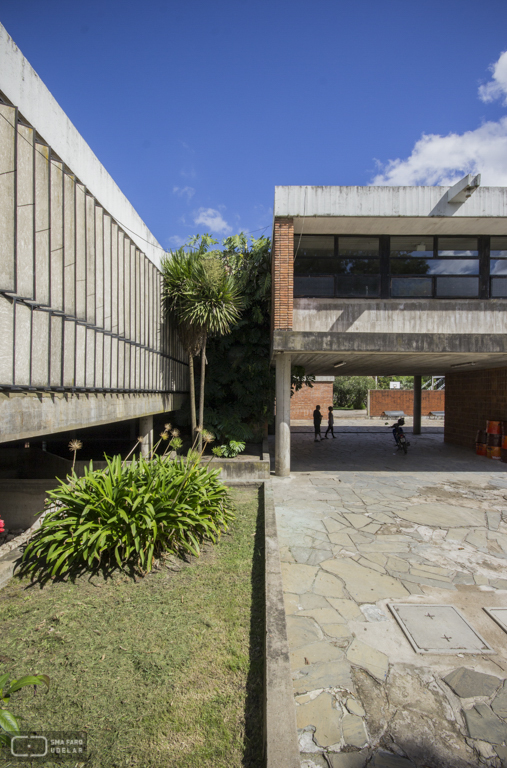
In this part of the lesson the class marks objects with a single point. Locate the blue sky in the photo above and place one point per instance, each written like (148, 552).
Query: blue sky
(199, 109)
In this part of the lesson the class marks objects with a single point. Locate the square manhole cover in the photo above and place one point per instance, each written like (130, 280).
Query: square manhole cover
(438, 629)
(499, 615)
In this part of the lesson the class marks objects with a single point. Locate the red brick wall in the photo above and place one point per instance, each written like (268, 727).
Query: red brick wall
(472, 398)
(403, 400)
(283, 274)
(302, 403)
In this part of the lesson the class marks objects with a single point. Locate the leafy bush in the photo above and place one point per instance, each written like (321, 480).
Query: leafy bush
(352, 391)
(8, 723)
(128, 514)
(229, 450)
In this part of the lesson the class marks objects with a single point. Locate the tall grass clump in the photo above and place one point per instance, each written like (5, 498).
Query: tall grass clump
(126, 515)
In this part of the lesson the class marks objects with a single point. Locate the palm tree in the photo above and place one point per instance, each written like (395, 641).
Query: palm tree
(178, 269)
(204, 300)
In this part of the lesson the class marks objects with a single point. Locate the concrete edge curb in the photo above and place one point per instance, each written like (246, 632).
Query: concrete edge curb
(280, 733)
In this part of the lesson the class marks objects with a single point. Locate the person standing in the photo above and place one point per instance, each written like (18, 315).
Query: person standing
(317, 418)
(330, 422)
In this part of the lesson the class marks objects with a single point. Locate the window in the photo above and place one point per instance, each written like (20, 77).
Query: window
(449, 265)
(404, 266)
(343, 266)
(498, 267)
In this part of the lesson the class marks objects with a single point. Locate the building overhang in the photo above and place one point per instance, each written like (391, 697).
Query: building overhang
(391, 354)
(394, 210)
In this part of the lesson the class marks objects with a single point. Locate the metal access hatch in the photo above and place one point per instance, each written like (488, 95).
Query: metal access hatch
(438, 629)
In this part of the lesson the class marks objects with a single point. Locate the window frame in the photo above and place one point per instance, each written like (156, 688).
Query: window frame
(386, 276)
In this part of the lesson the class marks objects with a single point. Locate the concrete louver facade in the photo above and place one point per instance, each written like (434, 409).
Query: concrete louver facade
(83, 340)
(346, 300)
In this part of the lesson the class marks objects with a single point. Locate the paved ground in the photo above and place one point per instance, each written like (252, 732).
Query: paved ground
(360, 526)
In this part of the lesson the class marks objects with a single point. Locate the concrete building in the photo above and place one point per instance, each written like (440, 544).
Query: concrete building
(393, 281)
(82, 337)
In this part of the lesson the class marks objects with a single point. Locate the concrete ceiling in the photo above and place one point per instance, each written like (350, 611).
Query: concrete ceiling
(395, 364)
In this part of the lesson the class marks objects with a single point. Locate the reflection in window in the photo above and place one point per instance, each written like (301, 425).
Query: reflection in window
(499, 288)
(454, 267)
(462, 287)
(498, 248)
(315, 266)
(358, 266)
(458, 246)
(412, 247)
(411, 287)
(498, 266)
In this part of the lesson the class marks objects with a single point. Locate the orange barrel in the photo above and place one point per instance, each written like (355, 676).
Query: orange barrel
(481, 448)
(492, 452)
(495, 440)
(504, 427)
(494, 427)
(481, 436)
(504, 441)
(504, 455)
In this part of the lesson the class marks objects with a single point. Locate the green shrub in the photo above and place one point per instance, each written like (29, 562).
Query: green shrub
(129, 514)
(229, 450)
(352, 391)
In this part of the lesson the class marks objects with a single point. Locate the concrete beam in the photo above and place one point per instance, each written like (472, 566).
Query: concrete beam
(146, 432)
(464, 188)
(307, 341)
(25, 415)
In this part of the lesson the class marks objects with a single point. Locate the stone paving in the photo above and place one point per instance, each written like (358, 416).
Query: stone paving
(361, 525)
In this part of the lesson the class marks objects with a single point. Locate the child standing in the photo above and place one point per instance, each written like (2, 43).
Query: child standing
(330, 422)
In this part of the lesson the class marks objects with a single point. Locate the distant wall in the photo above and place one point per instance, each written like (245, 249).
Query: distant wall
(380, 400)
(472, 398)
(302, 403)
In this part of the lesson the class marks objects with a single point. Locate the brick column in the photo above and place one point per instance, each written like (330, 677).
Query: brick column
(283, 274)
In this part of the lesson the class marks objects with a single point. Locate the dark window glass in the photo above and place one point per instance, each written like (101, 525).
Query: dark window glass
(498, 266)
(465, 287)
(313, 246)
(363, 247)
(358, 285)
(315, 266)
(498, 247)
(499, 288)
(410, 266)
(410, 287)
(314, 286)
(458, 246)
(412, 247)
(358, 266)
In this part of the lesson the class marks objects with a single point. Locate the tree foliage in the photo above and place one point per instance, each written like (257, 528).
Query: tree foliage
(352, 391)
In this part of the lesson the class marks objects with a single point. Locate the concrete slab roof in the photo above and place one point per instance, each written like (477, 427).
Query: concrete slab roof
(392, 210)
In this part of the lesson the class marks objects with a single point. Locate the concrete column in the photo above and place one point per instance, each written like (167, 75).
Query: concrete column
(146, 431)
(282, 425)
(417, 405)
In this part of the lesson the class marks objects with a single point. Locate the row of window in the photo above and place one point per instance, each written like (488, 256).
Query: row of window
(412, 267)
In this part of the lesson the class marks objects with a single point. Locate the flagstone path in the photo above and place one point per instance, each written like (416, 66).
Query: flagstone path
(401, 529)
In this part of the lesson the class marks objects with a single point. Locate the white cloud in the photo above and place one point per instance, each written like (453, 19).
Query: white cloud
(176, 241)
(497, 87)
(187, 192)
(443, 160)
(213, 219)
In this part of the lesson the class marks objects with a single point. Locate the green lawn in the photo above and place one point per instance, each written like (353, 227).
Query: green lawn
(163, 671)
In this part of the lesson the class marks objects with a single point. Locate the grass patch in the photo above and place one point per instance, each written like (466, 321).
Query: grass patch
(163, 671)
